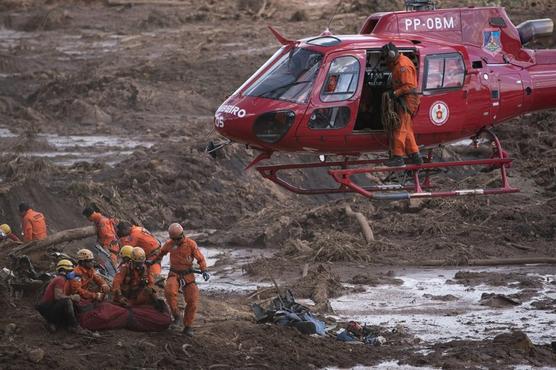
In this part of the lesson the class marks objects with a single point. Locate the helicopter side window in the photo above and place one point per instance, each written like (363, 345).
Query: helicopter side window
(444, 71)
(329, 118)
(341, 81)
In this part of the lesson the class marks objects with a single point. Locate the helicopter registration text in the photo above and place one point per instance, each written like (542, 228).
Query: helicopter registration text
(424, 24)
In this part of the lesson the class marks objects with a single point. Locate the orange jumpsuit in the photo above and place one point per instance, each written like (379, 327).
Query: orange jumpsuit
(142, 238)
(81, 283)
(33, 224)
(106, 235)
(130, 283)
(404, 81)
(181, 262)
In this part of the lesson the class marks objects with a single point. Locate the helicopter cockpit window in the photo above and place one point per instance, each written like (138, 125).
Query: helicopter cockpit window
(444, 71)
(290, 78)
(341, 81)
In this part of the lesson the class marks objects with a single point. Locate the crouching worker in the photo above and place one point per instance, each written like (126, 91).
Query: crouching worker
(182, 252)
(85, 276)
(133, 283)
(57, 307)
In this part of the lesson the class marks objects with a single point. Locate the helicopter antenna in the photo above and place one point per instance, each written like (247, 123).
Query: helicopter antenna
(333, 15)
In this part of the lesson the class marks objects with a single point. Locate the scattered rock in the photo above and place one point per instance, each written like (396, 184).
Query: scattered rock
(36, 355)
(498, 300)
(10, 329)
(516, 340)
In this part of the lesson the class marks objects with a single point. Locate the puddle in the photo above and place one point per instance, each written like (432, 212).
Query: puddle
(464, 318)
(384, 366)
(70, 149)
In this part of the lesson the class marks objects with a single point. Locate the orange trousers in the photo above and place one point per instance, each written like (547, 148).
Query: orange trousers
(190, 295)
(403, 139)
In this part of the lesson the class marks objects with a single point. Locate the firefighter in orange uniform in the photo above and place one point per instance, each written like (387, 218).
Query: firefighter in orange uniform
(133, 284)
(33, 223)
(137, 236)
(85, 275)
(106, 232)
(404, 90)
(182, 252)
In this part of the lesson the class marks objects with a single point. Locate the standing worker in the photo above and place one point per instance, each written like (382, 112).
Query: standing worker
(85, 276)
(57, 307)
(182, 252)
(33, 223)
(137, 236)
(404, 91)
(7, 230)
(106, 232)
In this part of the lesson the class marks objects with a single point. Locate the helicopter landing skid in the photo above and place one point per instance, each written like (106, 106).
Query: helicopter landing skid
(415, 179)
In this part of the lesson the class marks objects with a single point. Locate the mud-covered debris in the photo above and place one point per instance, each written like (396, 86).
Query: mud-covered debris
(498, 300)
(544, 304)
(513, 279)
(375, 279)
(320, 285)
(516, 340)
(443, 298)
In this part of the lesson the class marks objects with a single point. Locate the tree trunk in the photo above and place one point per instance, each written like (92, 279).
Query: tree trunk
(60, 237)
(363, 222)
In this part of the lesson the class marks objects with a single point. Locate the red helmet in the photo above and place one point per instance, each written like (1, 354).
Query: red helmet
(175, 231)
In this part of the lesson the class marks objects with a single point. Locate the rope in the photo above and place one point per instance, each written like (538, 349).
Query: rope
(390, 118)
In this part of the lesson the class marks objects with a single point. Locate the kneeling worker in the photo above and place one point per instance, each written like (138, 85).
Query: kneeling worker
(57, 307)
(7, 230)
(133, 284)
(85, 275)
(182, 252)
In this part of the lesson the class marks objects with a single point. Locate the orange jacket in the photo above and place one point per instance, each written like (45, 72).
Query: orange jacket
(106, 232)
(182, 255)
(141, 237)
(33, 224)
(404, 81)
(81, 283)
(129, 281)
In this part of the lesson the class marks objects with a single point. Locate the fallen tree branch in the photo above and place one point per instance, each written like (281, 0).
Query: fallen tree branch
(60, 237)
(363, 222)
(488, 262)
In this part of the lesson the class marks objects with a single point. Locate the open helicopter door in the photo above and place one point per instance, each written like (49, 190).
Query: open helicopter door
(334, 101)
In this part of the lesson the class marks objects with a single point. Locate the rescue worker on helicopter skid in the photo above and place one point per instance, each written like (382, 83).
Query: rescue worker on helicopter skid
(404, 93)
(133, 284)
(182, 252)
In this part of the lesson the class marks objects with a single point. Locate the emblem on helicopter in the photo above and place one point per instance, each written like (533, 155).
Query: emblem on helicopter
(491, 41)
(439, 113)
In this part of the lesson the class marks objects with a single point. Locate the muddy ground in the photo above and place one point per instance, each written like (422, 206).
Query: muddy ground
(114, 105)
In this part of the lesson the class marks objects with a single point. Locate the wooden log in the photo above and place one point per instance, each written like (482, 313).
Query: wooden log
(489, 262)
(57, 238)
(363, 222)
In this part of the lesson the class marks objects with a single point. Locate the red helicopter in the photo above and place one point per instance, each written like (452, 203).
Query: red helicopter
(474, 71)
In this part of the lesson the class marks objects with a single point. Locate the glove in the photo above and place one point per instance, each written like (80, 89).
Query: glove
(123, 301)
(392, 95)
(206, 275)
(105, 288)
(75, 297)
(99, 297)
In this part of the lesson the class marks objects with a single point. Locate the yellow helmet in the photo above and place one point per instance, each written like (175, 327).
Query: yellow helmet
(125, 251)
(6, 229)
(65, 265)
(138, 255)
(85, 255)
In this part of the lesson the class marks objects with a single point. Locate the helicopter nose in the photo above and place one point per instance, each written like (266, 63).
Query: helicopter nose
(251, 121)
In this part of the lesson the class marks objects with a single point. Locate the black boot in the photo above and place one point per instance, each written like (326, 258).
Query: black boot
(187, 331)
(415, 158)
(395, 161)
